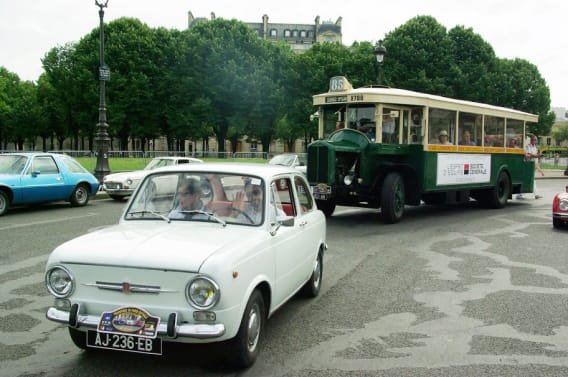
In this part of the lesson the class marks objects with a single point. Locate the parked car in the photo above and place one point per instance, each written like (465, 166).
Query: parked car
(289, 159)
(560, 209)
(120, 185)
(208, 272)
(28, 178)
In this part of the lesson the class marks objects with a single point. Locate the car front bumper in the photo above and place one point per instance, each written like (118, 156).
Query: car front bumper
(170, 329)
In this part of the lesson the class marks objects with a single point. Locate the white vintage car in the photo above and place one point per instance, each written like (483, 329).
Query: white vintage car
(202, 253)
(120, 185)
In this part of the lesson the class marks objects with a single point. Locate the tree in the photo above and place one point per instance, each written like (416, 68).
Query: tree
(421, 57)
(230, 66)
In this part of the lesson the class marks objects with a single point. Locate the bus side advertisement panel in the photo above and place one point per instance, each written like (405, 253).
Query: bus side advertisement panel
(459, 169)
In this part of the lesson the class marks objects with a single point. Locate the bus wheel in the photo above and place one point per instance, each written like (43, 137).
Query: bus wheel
(326, 206)
(499, 195)
(392, 198)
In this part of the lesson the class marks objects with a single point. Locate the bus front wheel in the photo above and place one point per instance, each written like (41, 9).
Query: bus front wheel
(326, 206)
(392, 198)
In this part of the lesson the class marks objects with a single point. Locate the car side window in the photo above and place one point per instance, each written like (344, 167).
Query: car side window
(304, 197)
(283, 197)
(44, 164)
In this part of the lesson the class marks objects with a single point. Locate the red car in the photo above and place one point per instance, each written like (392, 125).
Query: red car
(560, 209)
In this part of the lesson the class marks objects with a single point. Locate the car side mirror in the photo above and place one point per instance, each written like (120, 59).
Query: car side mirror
(35, 173)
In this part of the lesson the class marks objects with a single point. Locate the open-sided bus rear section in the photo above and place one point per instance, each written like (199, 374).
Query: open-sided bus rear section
(387, 148)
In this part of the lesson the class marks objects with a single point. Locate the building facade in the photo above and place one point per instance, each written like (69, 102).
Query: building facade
(300, 37)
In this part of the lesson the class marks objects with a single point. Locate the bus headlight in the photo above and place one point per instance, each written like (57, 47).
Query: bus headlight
(202, 292)
(349, 178)
(59, 282)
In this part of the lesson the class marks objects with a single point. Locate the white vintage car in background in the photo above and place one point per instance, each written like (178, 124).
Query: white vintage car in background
(120, 185)
(212, 270)
(290, 159)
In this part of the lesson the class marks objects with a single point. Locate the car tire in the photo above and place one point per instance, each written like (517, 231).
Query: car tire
(118, 198)
(80, 196)
(4, 203)
(244, 347)
(313, 286)
(392, 198)
(557, 223)
(79, 338)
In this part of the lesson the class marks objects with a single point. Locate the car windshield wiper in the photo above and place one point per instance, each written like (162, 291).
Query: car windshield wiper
(210, 215)
(145, 212)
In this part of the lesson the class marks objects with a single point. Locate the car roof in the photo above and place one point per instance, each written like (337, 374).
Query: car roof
(262, 170)
(31, 154)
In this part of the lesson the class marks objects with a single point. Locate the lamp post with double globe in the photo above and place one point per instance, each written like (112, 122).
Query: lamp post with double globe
(380, 52)
(102, 139)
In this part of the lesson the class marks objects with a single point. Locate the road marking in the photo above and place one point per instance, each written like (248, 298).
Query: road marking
(15, 226)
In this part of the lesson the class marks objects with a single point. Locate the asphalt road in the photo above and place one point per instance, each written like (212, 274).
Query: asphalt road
(450, 291)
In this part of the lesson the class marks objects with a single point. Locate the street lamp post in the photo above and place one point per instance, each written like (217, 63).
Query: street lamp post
(380, 52)
(103, 139)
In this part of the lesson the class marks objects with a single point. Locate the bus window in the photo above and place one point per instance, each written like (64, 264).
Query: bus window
(442, 124)
(362, 118)
(469, 129)
(333, 119)
(514, 133)
(416, 126)
(494, 132)
(391, 122)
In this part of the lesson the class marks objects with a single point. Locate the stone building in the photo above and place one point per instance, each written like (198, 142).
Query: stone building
(300, 37)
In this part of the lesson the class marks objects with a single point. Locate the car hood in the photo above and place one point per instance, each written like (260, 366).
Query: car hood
(137, 174)
(179, 245)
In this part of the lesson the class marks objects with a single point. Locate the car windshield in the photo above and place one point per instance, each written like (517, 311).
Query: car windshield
(158, 163)
(283, 159)
(12, 164)
(199, 196)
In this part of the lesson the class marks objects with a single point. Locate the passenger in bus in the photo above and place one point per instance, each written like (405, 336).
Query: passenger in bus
(443, 138)
(466, 138)
(513, 143)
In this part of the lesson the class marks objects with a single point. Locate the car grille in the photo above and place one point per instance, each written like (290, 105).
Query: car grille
(113, 185)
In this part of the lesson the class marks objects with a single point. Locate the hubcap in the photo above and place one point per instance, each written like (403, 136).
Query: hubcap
(253, 328)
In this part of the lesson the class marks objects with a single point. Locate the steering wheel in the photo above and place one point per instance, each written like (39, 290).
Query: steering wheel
(236, 210)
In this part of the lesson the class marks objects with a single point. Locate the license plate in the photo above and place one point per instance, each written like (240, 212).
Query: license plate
(122, 342)
(321, 196)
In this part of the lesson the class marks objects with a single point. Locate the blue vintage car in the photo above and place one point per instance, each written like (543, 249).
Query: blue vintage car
(27, 178)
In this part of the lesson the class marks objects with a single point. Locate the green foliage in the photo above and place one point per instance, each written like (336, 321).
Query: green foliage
(219, 79)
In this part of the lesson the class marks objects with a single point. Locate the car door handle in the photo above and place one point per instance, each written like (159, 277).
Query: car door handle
(303, 223)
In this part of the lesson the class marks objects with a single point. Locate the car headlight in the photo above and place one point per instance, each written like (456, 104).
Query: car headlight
(129, 182)
(202, 292)
(59, 282)
(563, 205)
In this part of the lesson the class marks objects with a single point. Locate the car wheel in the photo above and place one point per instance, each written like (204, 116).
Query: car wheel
(79, 338)
(118, 198)
(80, 196)
(312, 287)
(4, 203)
(244, 347)
(392, 198)
(557, 223)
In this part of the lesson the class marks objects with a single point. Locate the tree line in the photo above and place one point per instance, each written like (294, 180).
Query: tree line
(219, 79)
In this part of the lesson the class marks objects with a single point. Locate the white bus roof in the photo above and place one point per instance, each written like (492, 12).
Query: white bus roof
(402, 97)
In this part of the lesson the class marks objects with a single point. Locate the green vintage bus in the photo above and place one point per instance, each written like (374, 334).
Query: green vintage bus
(385, 148)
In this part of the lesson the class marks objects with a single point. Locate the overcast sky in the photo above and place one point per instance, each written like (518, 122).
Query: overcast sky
(530, 29)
